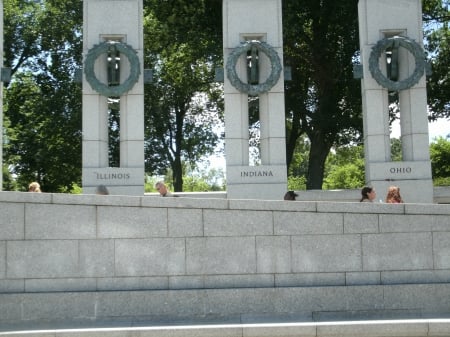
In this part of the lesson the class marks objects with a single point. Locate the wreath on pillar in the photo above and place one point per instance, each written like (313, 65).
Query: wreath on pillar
(413, 47)
(253, 89)
(105, 89)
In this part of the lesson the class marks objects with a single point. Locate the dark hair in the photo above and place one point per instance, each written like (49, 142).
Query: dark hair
(290, 195)
(365, 192)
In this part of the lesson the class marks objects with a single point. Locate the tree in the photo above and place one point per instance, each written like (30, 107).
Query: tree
(437, 33)
(345, 168)
(440, 161)
(43, 102)
(183, 49)
(323, 100)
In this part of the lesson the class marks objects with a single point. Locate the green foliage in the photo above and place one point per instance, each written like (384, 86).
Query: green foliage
(182, 104)
(396, 149)
(42, 102)
(323, 100)
(296, 183)
(345, 168)
(440, 161)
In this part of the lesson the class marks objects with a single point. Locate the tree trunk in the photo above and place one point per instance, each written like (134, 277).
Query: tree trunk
(317, 157)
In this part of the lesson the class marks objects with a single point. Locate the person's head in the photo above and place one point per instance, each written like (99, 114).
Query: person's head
(102, 190)
(161, 188)
(290, 195)
(34, 187)
(368, 193)
(393, 195)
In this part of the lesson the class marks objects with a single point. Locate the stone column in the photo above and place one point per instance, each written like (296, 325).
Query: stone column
(379, 20)
(119, 21)
(243, 21)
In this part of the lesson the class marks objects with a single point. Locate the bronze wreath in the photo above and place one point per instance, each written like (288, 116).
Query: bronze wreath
(413, 47)
(253, 89)
(103, 88)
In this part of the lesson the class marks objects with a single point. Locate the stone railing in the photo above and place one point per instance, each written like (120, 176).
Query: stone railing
(269, 256)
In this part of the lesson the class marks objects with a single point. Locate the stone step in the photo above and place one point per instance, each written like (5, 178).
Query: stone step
(240, 305)
(374, 328)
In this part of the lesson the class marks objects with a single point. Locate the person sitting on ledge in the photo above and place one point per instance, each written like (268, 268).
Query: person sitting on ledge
(162, 189)
(290, 195)
(368, 194)
(34, 187)
(393, 195)
(101, 190)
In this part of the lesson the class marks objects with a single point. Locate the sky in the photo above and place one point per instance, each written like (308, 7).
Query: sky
(441, 127)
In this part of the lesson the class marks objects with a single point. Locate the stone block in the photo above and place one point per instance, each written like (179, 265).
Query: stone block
(310, 279)
(10, 308)
(405, 223)
(113, 176)
(428, 209)
(273, 254)
(60, 221)
(378, 329)
(96, 258)
(12, 221)
(425, 297)
(60, 285)
(263, 174)
(131, 222)
(237, 223)
(332, 298)
(397, 251)
(439, 328)
(2, 259)
(91, 199)
(273, 118)
(377, 149)
(236, 121)
(260, 191)
(360, 223)
(132, 283)
(257, 24)
(287, 223)
(221, 255)
(58, 306)
(184, 202)
(281, 331)
(441, 250)
(12, 286)
(362, 278)
(21, 197)
(132, 155)
(273, 205)
(42, 259)
(185, 222)
(132, 128)
(420, 276)
(391, 16)
(186, 282)
(326, 253)
(150, 257)
(239, 281)
(115, 23)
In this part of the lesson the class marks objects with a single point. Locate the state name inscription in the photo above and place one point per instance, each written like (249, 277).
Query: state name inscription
(254, 174)
(112, 176)
(400, 170)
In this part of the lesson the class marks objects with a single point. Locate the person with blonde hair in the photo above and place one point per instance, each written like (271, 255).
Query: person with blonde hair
(393, 195)
(34, 187)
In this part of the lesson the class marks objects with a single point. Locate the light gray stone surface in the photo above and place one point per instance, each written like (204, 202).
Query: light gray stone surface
(216, 261)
